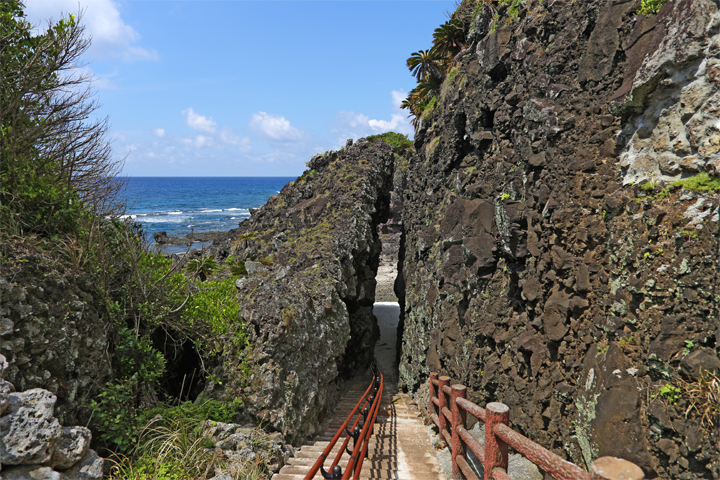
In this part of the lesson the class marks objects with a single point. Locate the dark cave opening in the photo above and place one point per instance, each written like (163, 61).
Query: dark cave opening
(184, 377)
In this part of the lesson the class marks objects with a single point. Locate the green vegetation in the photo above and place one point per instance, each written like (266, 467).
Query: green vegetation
(59, 208)
(431, 66)
(702, 182)
(625, 342)
(648, 186)
(689, 345)
(399, 142)
(651, 7)
(669, 392)
(56, 167)
(174, 443)
(202, 267)
(429, 109)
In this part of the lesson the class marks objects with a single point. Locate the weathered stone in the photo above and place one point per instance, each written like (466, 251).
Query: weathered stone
(33, 472)
(73, 445)
(555, 315)
(698, 362)
(29, 432)
(613, 267)
(89, 467)
(254, 267)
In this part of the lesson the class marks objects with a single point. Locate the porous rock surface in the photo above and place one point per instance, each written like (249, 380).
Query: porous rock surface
(240, 446)
(535, 269)
(52, 334)
(311, 254)
(33, 444)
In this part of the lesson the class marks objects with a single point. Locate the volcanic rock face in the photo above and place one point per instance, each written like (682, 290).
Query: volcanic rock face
(312, 253)
(536, 270)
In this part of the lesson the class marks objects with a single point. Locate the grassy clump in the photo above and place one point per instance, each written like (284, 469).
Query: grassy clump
(702, 182)
(175, 444)
(429, 109)
(398, 141)
(651, 7)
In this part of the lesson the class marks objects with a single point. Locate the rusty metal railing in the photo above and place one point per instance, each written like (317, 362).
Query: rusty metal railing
(449, 409)
(362, 429)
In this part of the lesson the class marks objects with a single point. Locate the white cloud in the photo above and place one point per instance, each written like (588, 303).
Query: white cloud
(397, 122)
(199, 141)
(199, 122)
(275, 127)
(111, 36)
(397, 98)
(160, 132)
(227, 136)
(357, 125)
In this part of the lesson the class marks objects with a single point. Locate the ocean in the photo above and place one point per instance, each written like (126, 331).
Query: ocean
(180, 205)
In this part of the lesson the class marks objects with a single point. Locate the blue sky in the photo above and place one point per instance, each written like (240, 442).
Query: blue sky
(247, 88)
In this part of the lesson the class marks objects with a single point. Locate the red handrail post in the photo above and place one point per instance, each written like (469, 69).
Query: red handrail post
(458, 420)
(432, 393)
(442, 399)
(496, 450)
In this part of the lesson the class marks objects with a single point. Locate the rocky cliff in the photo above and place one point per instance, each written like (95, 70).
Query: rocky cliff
(311, 254)
(52, 334)
(548, 260)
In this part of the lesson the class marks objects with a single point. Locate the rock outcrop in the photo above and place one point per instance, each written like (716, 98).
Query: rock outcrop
(311, 254)
(33, 444)
(241, 446)
(53, 336)
(542, 266)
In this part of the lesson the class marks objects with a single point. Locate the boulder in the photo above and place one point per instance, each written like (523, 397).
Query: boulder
(73, 445)
(29, 432)
(698, 362)
(90, 467)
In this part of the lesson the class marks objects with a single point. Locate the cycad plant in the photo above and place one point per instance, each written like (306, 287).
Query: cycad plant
(202, 267)
(426, 62)
(449, 38)
(420, 96)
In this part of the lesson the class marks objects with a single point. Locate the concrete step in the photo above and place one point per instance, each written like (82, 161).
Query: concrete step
(398, 449)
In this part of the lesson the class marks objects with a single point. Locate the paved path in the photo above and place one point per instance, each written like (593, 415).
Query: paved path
(400, 447)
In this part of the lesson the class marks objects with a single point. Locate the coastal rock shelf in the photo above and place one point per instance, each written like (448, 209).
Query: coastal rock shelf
(312, 253)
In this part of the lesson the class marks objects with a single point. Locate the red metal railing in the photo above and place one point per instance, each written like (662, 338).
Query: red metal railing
(360, 433)
(448, 410)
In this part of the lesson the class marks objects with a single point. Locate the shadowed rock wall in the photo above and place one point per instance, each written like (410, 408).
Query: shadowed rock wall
(309, 314)
(536, 270)
(53, 336)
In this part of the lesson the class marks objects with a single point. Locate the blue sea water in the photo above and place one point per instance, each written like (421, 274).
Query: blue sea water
(180, 205)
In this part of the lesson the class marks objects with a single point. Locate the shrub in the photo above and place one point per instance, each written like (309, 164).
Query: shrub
(702, 182)
(399, 142)
(651, 7)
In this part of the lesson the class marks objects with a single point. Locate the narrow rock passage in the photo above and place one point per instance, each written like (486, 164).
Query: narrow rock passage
(400, 447)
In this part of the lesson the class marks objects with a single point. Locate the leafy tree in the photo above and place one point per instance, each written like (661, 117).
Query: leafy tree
(55, 162)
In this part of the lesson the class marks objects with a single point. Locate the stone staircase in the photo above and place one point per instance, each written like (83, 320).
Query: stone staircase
(399, 448)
